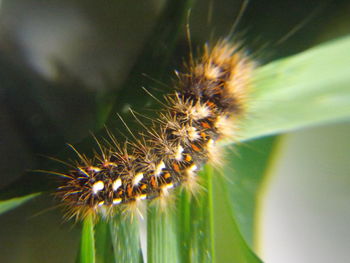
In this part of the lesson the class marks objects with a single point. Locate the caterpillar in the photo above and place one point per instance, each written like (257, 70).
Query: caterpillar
(208, 100)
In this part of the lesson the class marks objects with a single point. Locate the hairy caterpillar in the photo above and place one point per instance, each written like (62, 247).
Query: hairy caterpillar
(63, 249)
(208, 101)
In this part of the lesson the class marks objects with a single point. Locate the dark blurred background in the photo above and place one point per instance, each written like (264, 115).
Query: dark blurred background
(59, 59)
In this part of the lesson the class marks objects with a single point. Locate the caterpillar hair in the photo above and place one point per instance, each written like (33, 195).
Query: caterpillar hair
(208, 100)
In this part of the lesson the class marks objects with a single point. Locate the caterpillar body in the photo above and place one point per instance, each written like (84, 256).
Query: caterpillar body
(205, 107)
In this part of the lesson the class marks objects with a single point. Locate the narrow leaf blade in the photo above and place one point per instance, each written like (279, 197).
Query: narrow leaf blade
(125, 238)
(307, 89)
(12, 203)
(87, 246)
(229, 243)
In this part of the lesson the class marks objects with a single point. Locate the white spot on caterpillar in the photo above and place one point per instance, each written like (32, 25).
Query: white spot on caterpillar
(192, 133)
(117, 201)
(98, 186)
(199, 111)
(141, 197)
(214, 152)
(101, 203)
(116, 184)
(178, 154)
(190, 170)
(166, 187)
(210, 144)
(95, 169)
(138, 177)
(191, 181)
(186, 132)
(159, 168)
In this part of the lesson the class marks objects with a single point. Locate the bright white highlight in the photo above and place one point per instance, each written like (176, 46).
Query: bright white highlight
(192, 133)
(98, 186)
(138, 178)
(191, 169)
(116, 184)
(199, 112)
(141, 197)
(166, 187)
(117, 201)
(159, 168)
(178, 155)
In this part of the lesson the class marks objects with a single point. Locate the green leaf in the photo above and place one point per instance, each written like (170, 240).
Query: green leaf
(12, 203)
(244, 174)
(162, 237)
(307, 89)
(184, 233)
(103, 242)
(125, 239)
(229, 243)
(206, 228)
(87, 245)
(195, 222)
